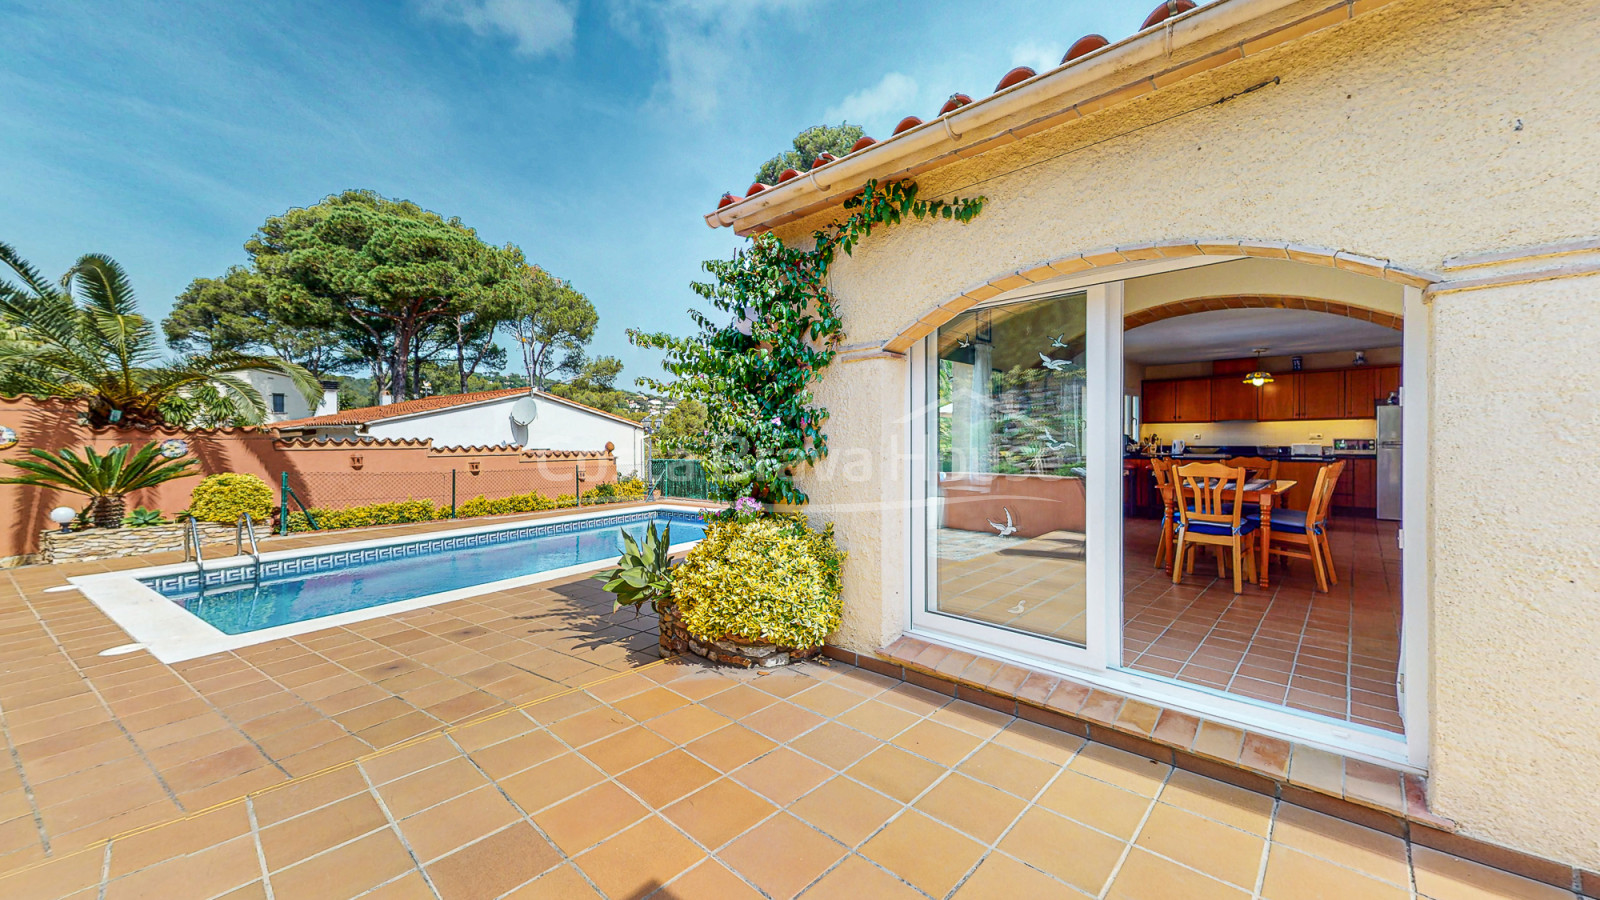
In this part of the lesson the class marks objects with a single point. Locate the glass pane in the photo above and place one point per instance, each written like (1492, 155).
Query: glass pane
(1008, 542)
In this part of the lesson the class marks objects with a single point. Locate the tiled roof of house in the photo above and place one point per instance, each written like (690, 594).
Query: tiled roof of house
(1082, 47)
(363, 415)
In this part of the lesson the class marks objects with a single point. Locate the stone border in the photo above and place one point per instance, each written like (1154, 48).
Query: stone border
(675, 639)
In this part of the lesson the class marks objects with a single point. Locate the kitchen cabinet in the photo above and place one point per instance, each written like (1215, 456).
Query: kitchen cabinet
(1386, 380)
(1232, 399)
(1322, 395)
(1357, 488)
(1279, 400)
(1159, 402)
(1360, 389)
(1194, 400)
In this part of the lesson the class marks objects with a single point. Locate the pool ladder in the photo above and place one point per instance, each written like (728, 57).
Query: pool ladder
(246, 527)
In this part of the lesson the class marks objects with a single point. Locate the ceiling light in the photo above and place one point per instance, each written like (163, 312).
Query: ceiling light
(1260, 376)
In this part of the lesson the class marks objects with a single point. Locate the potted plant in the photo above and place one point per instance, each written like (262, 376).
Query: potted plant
(644, 576)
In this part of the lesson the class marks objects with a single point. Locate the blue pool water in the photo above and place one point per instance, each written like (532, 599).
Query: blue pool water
(236, 601)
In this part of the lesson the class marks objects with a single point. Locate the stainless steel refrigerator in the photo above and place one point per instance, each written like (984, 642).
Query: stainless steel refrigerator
(1389, 467)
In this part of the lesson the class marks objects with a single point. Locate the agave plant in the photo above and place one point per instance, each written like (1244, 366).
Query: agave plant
(105, 480)
(643, 573)
(85, 340)
(142, 518)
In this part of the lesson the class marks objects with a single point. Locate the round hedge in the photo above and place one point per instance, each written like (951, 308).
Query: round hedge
(221, 498)
(773, 579)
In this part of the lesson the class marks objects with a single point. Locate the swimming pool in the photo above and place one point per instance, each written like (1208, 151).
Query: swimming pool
(179, 613)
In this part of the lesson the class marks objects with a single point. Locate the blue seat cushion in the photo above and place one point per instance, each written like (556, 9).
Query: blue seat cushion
(1220, 528)
(1291, 520)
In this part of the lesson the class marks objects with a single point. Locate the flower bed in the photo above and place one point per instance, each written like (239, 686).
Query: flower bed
(105, 543)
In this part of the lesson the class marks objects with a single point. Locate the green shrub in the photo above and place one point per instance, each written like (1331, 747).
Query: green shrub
(142, 518)
(533, 501)
(773, 579)
(221, 498)
(630, 488)
(397, 513)
(565, 500)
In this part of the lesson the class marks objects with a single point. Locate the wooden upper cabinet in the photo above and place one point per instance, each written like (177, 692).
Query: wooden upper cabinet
(1232, 400)
(1386, 380)
(1279, 400)
(1322, 395)
(1160, 402)
(1194, 400)
(1360, 388)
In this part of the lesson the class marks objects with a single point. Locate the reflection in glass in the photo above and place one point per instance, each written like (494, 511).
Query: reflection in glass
(1008, 546)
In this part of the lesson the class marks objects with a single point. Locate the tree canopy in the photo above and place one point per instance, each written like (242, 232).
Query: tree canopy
(552, 322)
(808, 145)
(596, 385)
(234, 313)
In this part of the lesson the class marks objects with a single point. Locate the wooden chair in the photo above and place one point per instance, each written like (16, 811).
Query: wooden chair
(1210, 504)
(1304, 535)
(1162, 469)
(1256, 466)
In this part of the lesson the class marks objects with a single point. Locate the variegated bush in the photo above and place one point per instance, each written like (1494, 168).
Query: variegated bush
(773, 580)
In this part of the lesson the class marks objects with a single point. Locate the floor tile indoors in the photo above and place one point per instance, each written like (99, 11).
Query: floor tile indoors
(1335, 654)
(679, 780)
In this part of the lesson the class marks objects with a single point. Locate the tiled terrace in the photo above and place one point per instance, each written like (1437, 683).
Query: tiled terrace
(680, 781)
(451, 753)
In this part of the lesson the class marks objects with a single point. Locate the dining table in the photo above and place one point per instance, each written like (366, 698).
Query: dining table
(1262, 492)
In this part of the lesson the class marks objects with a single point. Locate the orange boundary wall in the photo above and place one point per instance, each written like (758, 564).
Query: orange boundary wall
(50, 425)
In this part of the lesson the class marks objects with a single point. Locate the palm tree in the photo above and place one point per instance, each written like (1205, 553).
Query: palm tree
(105, 480)
(95, 347)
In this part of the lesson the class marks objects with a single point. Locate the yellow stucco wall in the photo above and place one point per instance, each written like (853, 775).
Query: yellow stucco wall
(1394, 136)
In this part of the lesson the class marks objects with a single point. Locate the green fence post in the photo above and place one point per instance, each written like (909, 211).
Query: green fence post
(283, 505)
(452, 493)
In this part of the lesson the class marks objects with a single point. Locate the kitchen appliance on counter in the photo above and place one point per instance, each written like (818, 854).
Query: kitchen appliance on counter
(1389, 446)
(1177, 447)
(1305, 450)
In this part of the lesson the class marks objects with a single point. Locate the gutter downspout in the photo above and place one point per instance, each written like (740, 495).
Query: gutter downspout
(1152, 44)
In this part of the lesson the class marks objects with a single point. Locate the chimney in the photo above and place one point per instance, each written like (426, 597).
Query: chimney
(330, 399)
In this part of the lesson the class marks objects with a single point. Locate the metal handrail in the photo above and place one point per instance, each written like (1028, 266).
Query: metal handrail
(246, 526)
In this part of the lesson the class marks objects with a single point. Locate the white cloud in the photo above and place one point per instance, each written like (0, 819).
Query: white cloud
(1036, 56)
(536, 27)
(891, 98)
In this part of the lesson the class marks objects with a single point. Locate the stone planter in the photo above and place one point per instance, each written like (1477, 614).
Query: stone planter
(105, 543)
(729, 651)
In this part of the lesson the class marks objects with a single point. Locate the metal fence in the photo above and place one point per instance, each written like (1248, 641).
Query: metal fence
(685, 478)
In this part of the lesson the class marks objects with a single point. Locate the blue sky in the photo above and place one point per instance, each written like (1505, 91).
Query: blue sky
(592, 133)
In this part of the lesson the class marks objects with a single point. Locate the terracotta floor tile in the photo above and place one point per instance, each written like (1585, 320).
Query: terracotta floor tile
(289, 842)
(296, 797)
(834, 745)
(858, 879)
(564, 883)
(60, 877)
(739, 700)
(626, 749)
(929, 855)
(1217, 850)
(494, 865)
(1242, 809)
(522, 752)
(586, 727)
(1064, 849)
(345, 871)
(880, 718)
(1123, 769)
(1008, 770)
(684, 724)
(649, 854)
(1292, 875)
(940, 743)
(205, 874)
(418, 791)
(550, 782)
(729, 748)
(719, 812)
(1000, 877)
(181, 836)
(1363, 849)
(440, 829)
(1096, 803)
(710, 881)
(667, 778)
(585, 819)
(401, 761)
(1440, 876)
(973, 807)
(1145, 876)
(782, 775)
(782, 855)
(896, 773)
(846, 810)
(782, 721)
(1048, 744)
(826, 700)
(651, 703)
(410, 886)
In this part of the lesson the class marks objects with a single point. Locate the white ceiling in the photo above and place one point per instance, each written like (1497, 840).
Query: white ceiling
(1237, 333)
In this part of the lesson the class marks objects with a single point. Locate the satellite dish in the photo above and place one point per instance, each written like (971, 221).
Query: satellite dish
(525, 410)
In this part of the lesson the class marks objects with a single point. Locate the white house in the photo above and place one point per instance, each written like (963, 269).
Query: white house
(534, 420)
(284, 400)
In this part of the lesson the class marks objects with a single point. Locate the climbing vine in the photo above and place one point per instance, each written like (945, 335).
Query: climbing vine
(754, 375)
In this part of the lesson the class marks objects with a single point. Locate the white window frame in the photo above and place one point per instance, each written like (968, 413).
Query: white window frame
(1098, 662)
